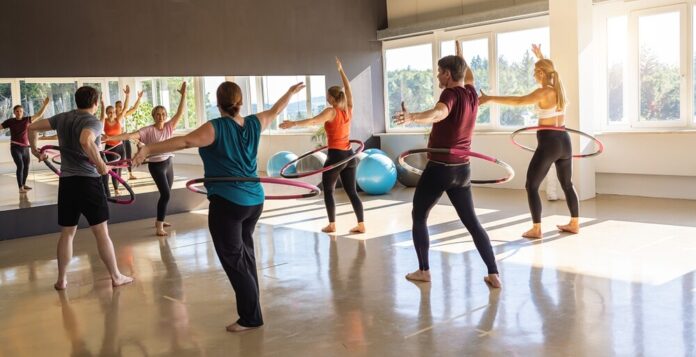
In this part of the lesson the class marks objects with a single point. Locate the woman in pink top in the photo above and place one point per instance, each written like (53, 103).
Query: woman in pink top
(160, 166)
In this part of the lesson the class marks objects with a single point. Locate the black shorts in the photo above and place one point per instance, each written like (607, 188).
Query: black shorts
(81, 195)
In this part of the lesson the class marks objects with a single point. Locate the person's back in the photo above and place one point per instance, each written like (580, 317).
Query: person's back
(456, 129)
(233, 154)
(69, 126)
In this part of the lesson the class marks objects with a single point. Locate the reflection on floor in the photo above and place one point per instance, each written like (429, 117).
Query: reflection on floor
(624, 286)
(45, 185)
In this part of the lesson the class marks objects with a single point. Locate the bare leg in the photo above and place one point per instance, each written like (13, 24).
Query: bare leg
(107, 254)
(64, 255)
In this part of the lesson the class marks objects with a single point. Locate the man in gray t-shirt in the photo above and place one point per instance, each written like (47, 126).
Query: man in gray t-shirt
(68, 127)
(80, 188)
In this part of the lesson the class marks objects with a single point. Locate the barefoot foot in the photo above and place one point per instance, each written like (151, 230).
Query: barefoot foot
(419, 275)
(360, 228)
(570, 228)
(235, 327)
(60, 285)
(27, 188)
(330, 228)
(493, 280)
(161, 233)
(166, 224)
(122, 280)
(534, 233)
(131, 177)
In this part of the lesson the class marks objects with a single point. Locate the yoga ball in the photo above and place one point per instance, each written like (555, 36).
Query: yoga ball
(374, 151)
(376, 174)
(408, 178)
(312, 163)
(277, 161)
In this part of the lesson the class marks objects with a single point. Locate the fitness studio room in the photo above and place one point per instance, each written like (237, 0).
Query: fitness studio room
(348, 178)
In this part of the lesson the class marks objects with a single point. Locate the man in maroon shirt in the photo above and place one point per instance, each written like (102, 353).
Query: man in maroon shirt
(453, 119)
(19, 142)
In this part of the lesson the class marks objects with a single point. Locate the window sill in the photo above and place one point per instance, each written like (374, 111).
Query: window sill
(645, 131)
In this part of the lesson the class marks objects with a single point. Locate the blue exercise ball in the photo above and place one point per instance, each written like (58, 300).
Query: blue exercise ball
(277, 161)
(374, 151)
(376, 174)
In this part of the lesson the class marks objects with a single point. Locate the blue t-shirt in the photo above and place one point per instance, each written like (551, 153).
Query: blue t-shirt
(233, 154)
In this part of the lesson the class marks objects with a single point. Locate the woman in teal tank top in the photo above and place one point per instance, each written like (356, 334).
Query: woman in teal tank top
(229, 147)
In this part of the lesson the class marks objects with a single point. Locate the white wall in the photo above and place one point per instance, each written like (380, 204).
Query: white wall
(407, 12)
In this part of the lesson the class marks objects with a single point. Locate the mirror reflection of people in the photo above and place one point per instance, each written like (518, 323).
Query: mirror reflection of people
(19, 141)
(113, 125)
(229, 148)
(160, 166)
(127, 143)
(554, 147)
(80, 189)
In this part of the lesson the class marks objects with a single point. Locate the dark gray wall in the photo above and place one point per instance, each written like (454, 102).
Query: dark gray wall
(78, 38)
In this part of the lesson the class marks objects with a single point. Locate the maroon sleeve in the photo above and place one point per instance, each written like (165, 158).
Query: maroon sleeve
(448, 98)
(4, 124)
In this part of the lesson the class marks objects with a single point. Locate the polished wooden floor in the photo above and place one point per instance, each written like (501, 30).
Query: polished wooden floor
(624, 286)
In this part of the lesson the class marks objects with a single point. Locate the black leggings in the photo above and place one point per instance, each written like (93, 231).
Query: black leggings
(347, 174)
(119, 150)
(129, 154)
(163, 174)
(454, 180)
(20, 155)
(554, 148)
(232, 228)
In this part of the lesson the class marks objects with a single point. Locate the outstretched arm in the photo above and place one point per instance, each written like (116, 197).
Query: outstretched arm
(135, 106)
(325, 115)
(268, 116)
(33, 130)
(346, 84)
(536, 49)
(531, 98)
(125, 103)
(126, 136)
(434, 115)
(203, 136)
(180, 109)
(41, 111)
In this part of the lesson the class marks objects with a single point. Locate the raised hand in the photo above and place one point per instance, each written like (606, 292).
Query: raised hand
(286, 124)
(483, 98)
(403, 117)
(182, 90)
(458, 49)
(127, 90)
(339, 66)
(140, 94)
(296, 88)
(536, 49)
(46, 101)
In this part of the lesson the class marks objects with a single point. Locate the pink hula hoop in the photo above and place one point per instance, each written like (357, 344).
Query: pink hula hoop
(314, 190)
(462, 153)
(118, 178)
(361, 146)
(600, 146)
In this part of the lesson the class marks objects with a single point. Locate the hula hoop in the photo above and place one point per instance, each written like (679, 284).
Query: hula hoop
(457, 152)
(114, 162)
(600, 146)
(361, 146)
(314, 190)
(118, 178)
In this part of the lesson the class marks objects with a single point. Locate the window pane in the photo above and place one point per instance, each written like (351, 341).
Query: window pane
(318, 94)
(409, 79)
(210, 85)
(659, 66)
(275, 87)
(62, 97)
(96, 86)
(5, 104)
(616, 59)
(693, 66)
(114, 91)
(171, 97)
(516, 71)
(476, 56)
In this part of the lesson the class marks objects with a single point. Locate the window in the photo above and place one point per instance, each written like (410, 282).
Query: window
(659, 66)
(317, 94)
(475, 53)
(409, 79)
(114, 91)
(275, 87)
(210, 85)
(164, 91)
(616, 60)
(5, 104)
(62, 97)
(515, 71)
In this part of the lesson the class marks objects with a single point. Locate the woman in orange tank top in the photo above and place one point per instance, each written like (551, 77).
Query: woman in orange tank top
(336, 120)
(113, 126)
